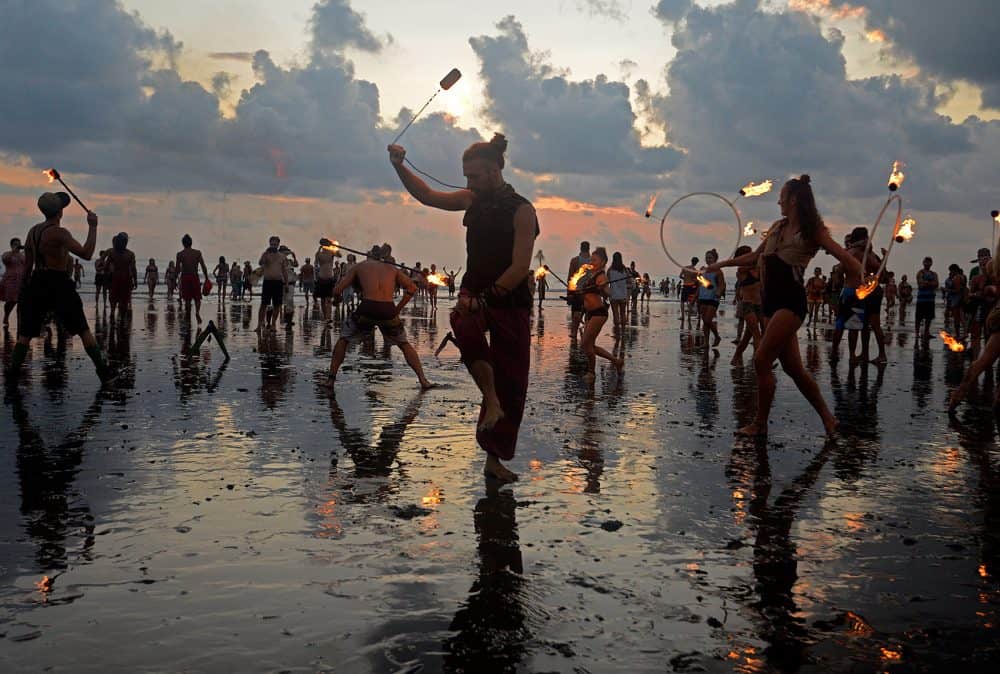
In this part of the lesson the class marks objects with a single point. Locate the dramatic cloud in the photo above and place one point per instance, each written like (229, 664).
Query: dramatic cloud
(244, 56)
(558, 125)
(672, 11)
(335, 25)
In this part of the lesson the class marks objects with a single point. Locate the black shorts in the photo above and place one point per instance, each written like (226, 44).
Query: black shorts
(324, 288)
(925, 311)
(272, 292)
(576, 303)
(709, 303)
(686, 292)
(782, 290)
(50, 291)
(600, 312)
(873, 303)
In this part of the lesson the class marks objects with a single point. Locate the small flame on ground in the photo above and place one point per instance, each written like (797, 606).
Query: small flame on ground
(753, 189)
(580, 273)
(906, 230)
(437, 279)
(951, 342)
(896, 177)
(867, 288)
(45, 584)
(749, 229)
(52, 174)
(891, 655)
(540, 273)
(652, 205)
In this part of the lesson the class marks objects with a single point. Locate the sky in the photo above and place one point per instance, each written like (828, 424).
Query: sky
(233, 120)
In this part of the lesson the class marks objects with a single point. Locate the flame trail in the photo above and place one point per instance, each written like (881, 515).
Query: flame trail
(334, 247)
(906, 230)
(437, 279)
(540, 273)
(867, 288)
(896, 177)
(753, 189)
(704, 281)
(580, 273)
(652, 205)
(951, 342)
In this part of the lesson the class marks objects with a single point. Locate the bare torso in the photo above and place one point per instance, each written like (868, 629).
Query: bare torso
(378, 280)
(188, 260)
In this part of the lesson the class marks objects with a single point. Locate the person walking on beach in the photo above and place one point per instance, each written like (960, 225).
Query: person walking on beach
(927, 285)
(272, 291)
(576, 301)
(221, 274)
(247, 281)
(990, 271)
(235, 281)
(13, 277)
(102, 279)
(77, 273)
(593, 287)
(815, 289)
(325, 272)
(124, 277)
(783, 257)
(689, 291)
(748, 305)
(307, 277)
(618, 290)
(49, 290)
(170, 278)
(708, 299)
(188, 261)
(378, 282)
(501, 227)
(152, 277)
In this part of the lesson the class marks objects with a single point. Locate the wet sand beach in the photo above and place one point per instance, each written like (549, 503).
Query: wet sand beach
(209, 516)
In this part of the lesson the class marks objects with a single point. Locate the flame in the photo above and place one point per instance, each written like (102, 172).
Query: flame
(891, 655)
(580, 273)
(867, 288)
(540, 273)
(749, 229)
(752, 189)
(983, 572)
(437, 279)
(652, 205)
(334, 247)
(897, 176)
(996, 217)
(52, 174)
(951, 342)
(906, 231)
(704, 281)
(45, 584)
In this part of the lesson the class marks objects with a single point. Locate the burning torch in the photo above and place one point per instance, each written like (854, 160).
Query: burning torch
(54, 176)
(434, 279)
(902, 231)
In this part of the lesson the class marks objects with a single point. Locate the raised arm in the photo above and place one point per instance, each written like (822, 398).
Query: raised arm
(747, 260)
(86, 251)
(525, 229)
(409, 289)
(459, 200)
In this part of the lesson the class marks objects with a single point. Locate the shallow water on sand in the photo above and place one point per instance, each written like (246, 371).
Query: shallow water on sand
(211, 516)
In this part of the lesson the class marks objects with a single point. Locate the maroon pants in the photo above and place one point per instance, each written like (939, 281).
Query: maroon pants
(509, 352)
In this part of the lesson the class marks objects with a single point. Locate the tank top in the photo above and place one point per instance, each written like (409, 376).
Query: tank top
(925, 294)
(489, 243)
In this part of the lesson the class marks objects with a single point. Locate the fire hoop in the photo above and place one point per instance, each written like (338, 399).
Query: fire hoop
(727, 202)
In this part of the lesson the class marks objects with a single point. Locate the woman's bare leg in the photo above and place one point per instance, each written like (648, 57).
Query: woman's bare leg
(986, 359)
(782, 327)
(791, 363)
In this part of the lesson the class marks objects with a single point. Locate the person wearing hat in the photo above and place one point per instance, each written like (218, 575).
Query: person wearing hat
(49, 289)
(980, 304)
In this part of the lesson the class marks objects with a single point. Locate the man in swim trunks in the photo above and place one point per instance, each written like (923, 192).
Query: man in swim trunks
(689, 291)
(272, 291)
(188, 261)
(307, 275)
(815, 288)
(377, 310)
(48, 289)
(325, 270)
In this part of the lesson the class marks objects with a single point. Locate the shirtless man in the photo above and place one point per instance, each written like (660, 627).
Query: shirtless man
(188, 261)
(77, 272)
(307, 275)
(272, 291)
(324, 278)
(576, 300)
(815, 290)
(378, 283)
(48, 289)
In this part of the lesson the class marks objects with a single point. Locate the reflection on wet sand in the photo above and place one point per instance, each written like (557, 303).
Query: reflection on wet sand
(492, 628)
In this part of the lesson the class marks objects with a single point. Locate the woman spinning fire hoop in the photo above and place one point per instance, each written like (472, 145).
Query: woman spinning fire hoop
(789, 247)
(501, 227)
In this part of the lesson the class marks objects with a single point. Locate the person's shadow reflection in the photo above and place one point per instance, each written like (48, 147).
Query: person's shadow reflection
(775, 555)
(491, 630)
(52, 511)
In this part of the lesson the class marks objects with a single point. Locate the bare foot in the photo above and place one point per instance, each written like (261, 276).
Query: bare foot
(492, 413)
(831, 426)
(589, 378)
(426, 385)
(497, 471)
(955, 399)
(752, 431)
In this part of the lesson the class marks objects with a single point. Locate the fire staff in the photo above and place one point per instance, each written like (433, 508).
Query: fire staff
(501, 227)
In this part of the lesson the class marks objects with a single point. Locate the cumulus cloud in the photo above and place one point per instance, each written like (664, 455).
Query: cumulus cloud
(556, 124)
(609, 9)
(672, 11)
(335, 25)
(244, 56)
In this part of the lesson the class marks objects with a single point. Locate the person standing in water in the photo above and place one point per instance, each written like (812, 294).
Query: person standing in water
(501, 227)
(593, 287)
(124, 277)
(221, 274)
(152, 276)
(49, 290)
(325, 272)
(576, 301)
(13, 277)
(708, 299)
(782, 258)
(188, 261)
(748, 305)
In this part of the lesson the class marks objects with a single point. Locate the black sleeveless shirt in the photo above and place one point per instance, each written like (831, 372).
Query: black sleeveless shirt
(489, 242)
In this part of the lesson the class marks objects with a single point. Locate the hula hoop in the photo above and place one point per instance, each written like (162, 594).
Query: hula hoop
(727, 202)
(892, 240)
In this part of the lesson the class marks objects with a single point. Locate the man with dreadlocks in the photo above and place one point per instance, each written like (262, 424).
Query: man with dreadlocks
(501, 227)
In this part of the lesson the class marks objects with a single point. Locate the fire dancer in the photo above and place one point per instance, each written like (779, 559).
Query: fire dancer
(593, 288)
(927, 285)
(789, 247)
(124, 277)
(991, 351)
(980, 304)
(576, 301)
(188, 261)
(272, 291)
(13, 277)
(501, 227)
(378, 282)
(49, 289)
(324, 277)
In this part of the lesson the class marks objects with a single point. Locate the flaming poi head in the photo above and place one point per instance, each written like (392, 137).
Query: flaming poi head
(52, 174)
(752, 189)
(906, 230)
(896, 177)
(437, 279)
(580, 273)
(867, 288)
(540, 273)
(44, 585)
(704, 281)
(749, 229)
(331, 246)
(652, 205)
(951, 342)
(996, 216)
